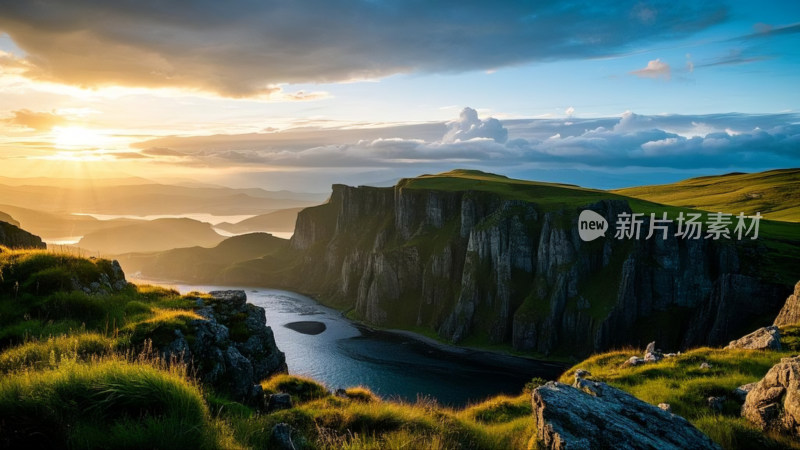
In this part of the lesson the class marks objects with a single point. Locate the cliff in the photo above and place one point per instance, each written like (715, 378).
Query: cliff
(482, 259)
(12, 236)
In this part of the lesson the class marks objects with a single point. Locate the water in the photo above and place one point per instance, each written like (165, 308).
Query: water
(391, 365)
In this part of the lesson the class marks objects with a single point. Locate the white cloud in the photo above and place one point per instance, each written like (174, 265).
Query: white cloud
(654, 69)
(470, 126)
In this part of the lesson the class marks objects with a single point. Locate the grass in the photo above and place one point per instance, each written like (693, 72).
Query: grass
(71, 378)
(108, 403)
(680, 382)
(775, 194)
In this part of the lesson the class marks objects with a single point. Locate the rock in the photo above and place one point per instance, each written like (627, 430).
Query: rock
(606, 417)
(633, 361)
(790, 313)
(280, 438)
(651, 354)
(716, 403)
(740, 393)
(765, 338)
(774, 402)
(666, 407)
(580, 373)
(280, 401)
(341, 393)
(230, 365)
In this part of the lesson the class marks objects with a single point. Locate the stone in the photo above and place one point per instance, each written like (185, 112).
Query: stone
(765, 338)
(280, 401)
(633, 361)
(598, 416)
(666, 407)
(716, 403)
(651, 354)
(705, 365)
(790, 313)
(280, 438)
(774, 402)
(740, 393)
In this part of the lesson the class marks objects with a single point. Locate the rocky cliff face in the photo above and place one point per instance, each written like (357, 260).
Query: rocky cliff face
(12, 236)
(473, 264)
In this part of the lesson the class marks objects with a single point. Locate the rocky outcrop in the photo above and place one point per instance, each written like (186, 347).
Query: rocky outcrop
(790, 313)
(477, 264)
(12, 236)
(774, 403)
(594, 415)
(231, 348)
(765, 338)
(110, 280)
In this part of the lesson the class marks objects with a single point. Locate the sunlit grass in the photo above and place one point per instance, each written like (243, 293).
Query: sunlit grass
(680, 382)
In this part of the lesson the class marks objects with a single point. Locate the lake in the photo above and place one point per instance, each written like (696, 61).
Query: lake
(320, 343)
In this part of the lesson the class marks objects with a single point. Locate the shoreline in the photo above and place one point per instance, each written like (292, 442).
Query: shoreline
(488, 357)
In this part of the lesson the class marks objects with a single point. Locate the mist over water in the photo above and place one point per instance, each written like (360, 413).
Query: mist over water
(391, 365)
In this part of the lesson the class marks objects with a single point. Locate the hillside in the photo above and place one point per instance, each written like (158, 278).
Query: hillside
(70, 380)
(203, 265)
(151, 199)
(281, 220)
(150, 236)
(775, 194)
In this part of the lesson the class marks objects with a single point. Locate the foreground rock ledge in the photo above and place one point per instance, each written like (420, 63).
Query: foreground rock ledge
(598, 416)
(774, 403)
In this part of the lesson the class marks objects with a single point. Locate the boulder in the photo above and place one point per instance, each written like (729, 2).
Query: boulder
(716, 403)
(594, 415)
(765, 338)
(281, 437)
(280, 401)
(774, 403)
(633, 361)
(666, 407)
(790, 313)
(651, 354)
(740, 393)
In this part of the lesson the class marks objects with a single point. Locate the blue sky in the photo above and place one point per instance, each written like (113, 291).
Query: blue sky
(93, 88)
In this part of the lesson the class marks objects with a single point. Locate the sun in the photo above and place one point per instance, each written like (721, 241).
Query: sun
(78, 138)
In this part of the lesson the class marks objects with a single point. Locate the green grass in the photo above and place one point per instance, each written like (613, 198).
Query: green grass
(775, 194)
(109, 403)
(681, 382)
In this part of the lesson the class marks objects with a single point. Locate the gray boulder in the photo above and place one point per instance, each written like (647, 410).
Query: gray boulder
(280, 401)
(790, 313)
(651, 354)
(281, 437)
(765, 338)
(597, 416)
(740, 393)
(774, 403)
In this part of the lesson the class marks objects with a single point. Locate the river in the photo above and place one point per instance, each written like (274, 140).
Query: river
(320, 343)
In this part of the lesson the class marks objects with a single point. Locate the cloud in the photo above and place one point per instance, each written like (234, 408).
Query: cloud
(569, 111)
(732, 58)
(625, 143)
(469, 126)
(654, 69)
(250, 49)
(39, 121)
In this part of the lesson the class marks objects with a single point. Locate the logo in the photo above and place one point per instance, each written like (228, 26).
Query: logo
(591, 225)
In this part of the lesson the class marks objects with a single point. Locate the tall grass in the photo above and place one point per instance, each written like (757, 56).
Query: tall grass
(109, 403)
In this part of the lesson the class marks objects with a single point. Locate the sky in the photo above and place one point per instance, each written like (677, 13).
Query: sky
(299, 95)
